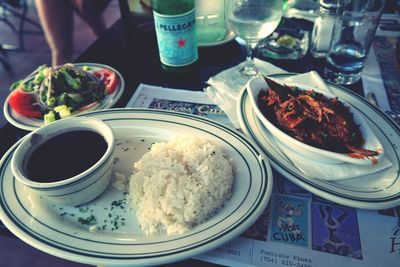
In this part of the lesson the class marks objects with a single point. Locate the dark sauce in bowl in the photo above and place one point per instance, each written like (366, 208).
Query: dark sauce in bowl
(65, 156)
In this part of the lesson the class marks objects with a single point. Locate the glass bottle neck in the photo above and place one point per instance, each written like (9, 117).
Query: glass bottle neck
(327, 11)
(329, 7)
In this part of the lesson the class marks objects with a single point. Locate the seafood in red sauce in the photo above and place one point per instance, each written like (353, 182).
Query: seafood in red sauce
(313, 118)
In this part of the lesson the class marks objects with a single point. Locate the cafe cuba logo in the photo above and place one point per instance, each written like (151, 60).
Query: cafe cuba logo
(395, 241)
(394, 245)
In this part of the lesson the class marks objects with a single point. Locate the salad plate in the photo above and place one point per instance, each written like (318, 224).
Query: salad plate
(372, 191)
(106, 231)
(109, 100)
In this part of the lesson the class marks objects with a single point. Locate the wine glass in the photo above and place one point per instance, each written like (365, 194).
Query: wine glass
(253, 20)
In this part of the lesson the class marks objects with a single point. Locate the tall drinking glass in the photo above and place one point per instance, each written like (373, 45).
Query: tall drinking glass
(353, 33)
(253, 20)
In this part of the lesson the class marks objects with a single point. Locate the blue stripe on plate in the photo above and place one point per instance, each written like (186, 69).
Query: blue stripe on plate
(93, 182)
(89, 175)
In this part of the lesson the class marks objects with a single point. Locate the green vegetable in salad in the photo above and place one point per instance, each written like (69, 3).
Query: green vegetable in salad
(41, 74)
(49, 117)
(51, 101)
(63, 111)
(17, 84)
(74, 83)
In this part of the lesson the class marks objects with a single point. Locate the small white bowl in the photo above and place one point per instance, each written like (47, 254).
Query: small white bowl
(80, 188)
(255, 85)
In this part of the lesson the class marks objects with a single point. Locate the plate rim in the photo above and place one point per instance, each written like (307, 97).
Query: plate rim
(238, 226)
(29, 127)
(280, 167)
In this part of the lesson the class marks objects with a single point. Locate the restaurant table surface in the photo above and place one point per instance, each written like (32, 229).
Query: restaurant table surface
(133, 51)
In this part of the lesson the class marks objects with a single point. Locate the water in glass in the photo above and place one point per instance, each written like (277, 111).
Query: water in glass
(353, 33)
(253, 20)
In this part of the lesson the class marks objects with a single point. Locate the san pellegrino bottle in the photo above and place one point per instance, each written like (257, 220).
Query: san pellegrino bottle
(176, 34)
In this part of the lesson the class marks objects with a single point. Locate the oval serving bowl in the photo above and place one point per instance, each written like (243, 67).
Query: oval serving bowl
(255, 85)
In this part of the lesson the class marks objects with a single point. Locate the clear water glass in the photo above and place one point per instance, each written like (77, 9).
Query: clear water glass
(253, 20)
(210, 21)
(353, 33)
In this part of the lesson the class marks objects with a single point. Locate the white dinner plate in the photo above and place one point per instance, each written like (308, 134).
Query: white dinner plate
(119, 241)
(374, 191)
(30, 124)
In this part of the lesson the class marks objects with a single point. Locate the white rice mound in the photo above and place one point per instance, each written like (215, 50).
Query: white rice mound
(180, 184)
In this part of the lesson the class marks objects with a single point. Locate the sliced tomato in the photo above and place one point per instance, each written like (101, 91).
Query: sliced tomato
(90, 106)
(23, 104)
(110, 79)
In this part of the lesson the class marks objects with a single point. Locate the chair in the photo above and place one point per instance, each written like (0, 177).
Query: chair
(135, 17)
(17, 9)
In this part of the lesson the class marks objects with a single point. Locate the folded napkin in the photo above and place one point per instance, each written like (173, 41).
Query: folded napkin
(224, 89)
(325, 171)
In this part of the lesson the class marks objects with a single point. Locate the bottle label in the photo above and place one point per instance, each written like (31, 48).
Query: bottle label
(176, 38)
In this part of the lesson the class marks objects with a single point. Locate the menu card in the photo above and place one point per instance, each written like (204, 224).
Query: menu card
(297, 229)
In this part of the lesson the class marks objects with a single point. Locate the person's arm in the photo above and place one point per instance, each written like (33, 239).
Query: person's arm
(91, 12)
(57, 22)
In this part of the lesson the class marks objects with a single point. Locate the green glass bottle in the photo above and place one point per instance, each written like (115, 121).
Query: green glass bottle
(176, 34)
